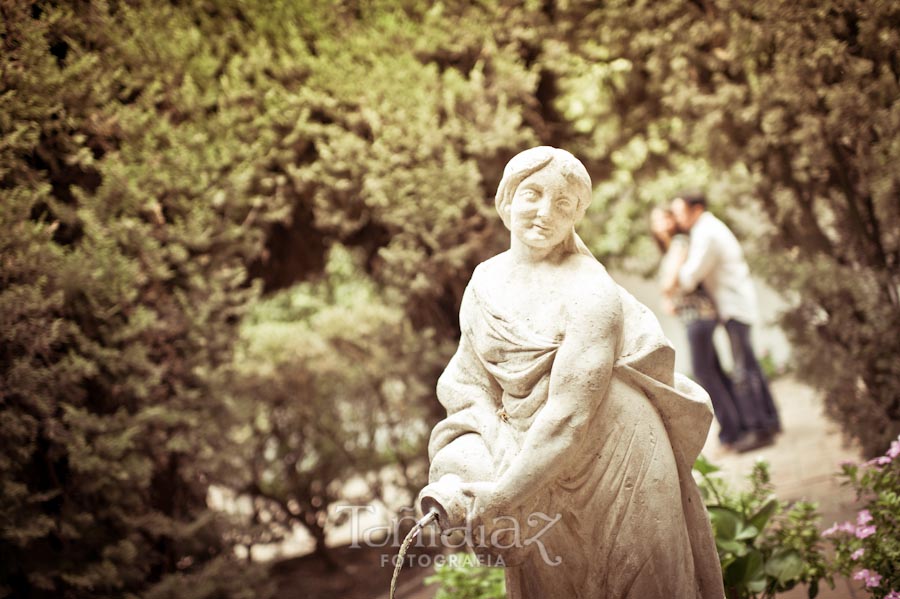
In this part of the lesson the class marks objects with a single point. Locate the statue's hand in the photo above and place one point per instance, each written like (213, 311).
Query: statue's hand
(496, 526)
(487, 499)
(446, 498)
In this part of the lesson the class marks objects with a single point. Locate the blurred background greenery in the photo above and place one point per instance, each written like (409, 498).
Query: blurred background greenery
(235, 235)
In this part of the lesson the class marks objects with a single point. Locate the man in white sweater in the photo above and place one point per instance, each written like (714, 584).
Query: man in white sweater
(715, 260)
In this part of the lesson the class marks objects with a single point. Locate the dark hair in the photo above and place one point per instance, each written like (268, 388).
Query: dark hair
(662, 245)
(693, 198)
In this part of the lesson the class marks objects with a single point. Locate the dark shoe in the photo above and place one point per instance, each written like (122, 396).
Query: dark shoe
(753, 440)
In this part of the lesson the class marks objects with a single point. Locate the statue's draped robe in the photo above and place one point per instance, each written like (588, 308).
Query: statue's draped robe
(632, 521)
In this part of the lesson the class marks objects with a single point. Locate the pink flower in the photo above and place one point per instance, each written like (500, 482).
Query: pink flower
(858, 554)
(892, 453)
(843, 527)
(873, 579)
(864, 531)
(863, 517)
(882, 460)
(892, 595)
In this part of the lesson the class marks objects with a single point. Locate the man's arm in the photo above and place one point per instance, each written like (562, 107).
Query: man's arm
(700, 261)
(669, 278)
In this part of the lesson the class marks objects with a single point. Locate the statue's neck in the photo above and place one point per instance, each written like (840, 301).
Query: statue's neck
(522, 253)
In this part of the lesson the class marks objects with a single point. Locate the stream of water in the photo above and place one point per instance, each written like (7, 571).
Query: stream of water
(404, 547)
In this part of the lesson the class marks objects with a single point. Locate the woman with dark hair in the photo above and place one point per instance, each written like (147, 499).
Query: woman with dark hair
(569, 439)
(698, 313)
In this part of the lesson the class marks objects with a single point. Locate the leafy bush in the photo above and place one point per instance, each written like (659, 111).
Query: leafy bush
(869, 549)
(323, 401)
(462, 577)
(765, 546)
(156, 158)
(786, 113)
(122, 282)
(154, 161)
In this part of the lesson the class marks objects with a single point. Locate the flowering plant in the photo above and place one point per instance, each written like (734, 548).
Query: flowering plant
(869, 548)
(765, 546)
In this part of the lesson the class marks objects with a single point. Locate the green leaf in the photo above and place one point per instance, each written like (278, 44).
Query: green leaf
(747, 532)
(735, 547)
(727, 561)
(764, 513)
(756, 586)
(726, 522)
(746, 571)
(785, 565)
(704, 466)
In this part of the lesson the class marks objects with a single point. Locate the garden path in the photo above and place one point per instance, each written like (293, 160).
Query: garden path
(803, 463)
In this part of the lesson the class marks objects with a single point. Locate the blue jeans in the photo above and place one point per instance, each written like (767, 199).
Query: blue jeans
(751, 390)
(708, 372)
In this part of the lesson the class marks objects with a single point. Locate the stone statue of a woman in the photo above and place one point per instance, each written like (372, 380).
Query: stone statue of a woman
(569, 438)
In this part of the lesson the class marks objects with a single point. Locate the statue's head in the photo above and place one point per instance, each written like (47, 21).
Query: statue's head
(532, 173)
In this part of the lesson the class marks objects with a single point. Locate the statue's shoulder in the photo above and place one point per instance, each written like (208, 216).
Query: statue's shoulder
(480, 282)
(589, 275)
(591, 299)
(587, 265)
(488, 269)
(592, 293)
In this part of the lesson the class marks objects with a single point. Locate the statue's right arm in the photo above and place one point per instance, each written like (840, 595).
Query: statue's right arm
(579, 379)
(465, 389)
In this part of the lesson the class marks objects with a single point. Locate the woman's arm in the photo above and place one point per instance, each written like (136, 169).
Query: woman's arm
(579, 380)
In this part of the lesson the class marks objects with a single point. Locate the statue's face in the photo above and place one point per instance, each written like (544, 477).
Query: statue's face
(544, 209)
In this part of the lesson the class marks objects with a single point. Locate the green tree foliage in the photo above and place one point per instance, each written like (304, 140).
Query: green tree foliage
(157, 158)
(405, 120)
(822, 145)
(333, 383)
(385, 120)
(788, 111)
(161, 162)
(124, 197)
